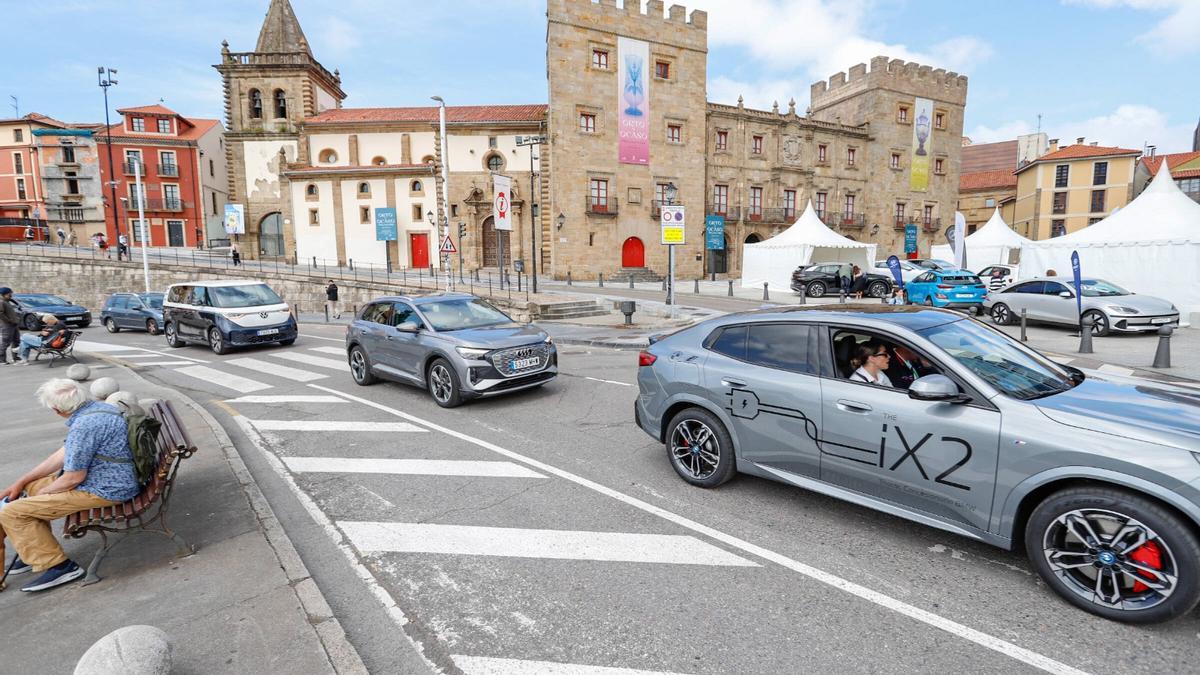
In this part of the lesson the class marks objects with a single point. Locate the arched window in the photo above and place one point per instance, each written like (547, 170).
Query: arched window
(753, 238)
(416, 186)
(328, 156)
(255, 104)
(311, 191)
(379, 160)
(280, 104)
(364, 188)
(495, 162)
(427, 160)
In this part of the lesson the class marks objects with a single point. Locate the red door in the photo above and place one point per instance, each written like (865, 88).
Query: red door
(418, 249)
(633, 253)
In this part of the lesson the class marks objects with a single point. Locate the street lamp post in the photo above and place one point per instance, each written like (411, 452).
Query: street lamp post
(670, 194)
(104, 75)
(445, 224)
(532, 142)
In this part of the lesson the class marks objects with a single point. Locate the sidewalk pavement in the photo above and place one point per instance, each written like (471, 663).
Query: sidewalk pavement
(244, 602)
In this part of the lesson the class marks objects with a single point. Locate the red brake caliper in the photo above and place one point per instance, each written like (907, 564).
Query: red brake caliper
(1149, 555)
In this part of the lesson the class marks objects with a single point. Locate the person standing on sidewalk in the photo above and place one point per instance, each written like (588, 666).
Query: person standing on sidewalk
(62, 236)
(93, 469)
(236, 255)
(123, 246)
(333, 307)
(10, 326)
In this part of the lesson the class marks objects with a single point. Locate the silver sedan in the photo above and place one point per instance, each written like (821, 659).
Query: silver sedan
(945, 421)
(1052, 300)
(455, 345)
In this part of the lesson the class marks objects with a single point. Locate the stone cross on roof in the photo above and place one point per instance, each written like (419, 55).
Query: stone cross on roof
(281, 31)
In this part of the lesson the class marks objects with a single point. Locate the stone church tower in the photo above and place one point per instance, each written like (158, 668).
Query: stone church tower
(268, 94)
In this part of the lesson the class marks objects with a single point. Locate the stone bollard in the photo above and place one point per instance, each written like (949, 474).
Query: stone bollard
(1085, 335)
(600, 276)
(1024, 324)
(803, 293)
(104, 387)
(138, 650)
(766, 293)
(731, 288)
(1162, 355)
(79, 372)
(696, 288)
(628, 307)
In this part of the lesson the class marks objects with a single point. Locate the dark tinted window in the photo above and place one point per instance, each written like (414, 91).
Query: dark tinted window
(779, 345)
(120, 302)
(1054, 288)
(924, 278)
(731, 342)
(380, 312)
(403, 314)
(1035, 287)
(961, 280)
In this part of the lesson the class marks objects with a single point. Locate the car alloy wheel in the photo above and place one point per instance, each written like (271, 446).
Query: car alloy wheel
(172, 337)
(1100, 327)
(111, 325)
(216, 342)
(443, 384)
(1001, 315)
(877, 289)
(816, 289)
(700, 448)
(32, 322)
(360, 369)
(152, 326)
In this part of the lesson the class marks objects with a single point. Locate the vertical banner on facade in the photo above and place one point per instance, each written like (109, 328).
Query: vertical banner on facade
(385, 224)
(235, 219)
(502, 202)
(714, 233)
(919, 174)
(633, 102)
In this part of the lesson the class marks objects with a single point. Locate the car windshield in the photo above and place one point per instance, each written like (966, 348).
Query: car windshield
(462, 313)
(1098, 288)
(154, 301)
(998, 359)
(943, 263)
(42, 300)
(250, 295)
(961, 280)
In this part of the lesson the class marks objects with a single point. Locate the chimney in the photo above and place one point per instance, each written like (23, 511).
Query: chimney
(1150, 150)
(1079, 140)
(1094, 143)
(1053, 145)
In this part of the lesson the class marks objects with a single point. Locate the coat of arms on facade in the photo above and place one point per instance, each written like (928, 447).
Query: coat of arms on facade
(791, 150)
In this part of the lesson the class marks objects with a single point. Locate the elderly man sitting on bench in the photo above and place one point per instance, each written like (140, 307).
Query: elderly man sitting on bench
(93, 469)
(53, 331)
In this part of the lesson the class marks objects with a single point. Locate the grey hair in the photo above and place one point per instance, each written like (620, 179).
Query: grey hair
(62, 395)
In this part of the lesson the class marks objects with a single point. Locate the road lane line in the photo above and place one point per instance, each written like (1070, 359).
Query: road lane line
(115, 351)
(484, 665)
(980, 638)
(414, 467)
(276, 369)
(242, 385)
(512, 542)
(596, 379)
(318, 337)
(331, 425)
(163, 363)
(337, 351)
(319, 361)
(147, 355)
(287, 399)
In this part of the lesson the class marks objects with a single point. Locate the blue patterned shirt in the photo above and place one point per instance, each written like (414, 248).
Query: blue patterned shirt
(100, 429)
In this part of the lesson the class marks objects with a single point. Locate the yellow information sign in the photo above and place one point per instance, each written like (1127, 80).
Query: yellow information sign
(672, 225)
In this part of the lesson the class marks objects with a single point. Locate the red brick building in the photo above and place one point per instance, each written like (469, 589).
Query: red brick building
(167, 147)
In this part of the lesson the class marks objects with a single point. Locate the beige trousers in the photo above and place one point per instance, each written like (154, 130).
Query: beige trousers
(27, 521)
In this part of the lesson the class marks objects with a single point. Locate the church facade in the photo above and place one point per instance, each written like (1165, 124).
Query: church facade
(626, 126)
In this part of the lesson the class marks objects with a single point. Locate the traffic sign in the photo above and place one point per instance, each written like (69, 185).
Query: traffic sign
(447, 245)
(672, 225)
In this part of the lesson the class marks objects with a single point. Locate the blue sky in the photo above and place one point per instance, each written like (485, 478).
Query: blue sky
(1115, 71)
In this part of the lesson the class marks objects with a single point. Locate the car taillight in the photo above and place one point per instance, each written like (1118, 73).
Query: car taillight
(646, 359)
(944, 288)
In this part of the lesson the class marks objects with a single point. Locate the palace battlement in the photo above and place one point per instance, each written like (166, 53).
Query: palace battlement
(676, 26)
(894, 74)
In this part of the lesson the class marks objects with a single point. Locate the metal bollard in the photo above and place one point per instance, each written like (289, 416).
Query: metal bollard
(568, 277)
(1162, 355)
(803, 293)
(631, 281)
(766, 293)
(600, 276)
(1085, 335)
(731, 288)
(696, 288)
(296, 312)
(664, 284)
(354, 310)
(326, 312)
(1024, 324)
(842, 297)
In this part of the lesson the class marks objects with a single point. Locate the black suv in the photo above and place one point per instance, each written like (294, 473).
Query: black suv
(822, 278)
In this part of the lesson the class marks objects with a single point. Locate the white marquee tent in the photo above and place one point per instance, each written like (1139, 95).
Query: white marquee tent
(989, 245)
(1151, 246)
(807, 241)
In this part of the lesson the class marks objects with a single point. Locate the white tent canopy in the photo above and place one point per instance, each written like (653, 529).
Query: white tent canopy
(1151, 246)
(989, 245)
(807, 241)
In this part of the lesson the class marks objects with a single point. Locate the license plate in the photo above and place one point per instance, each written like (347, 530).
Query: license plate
(521, 364)
(1162, 320)
(964, 295)
(269, 331)
(75, 318)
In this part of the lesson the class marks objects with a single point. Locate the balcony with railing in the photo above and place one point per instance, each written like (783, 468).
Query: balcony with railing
(755, 214)
(131, 168)
(931, 224)
(732, 213)
(597, 206)
(154, 204)
(845, 221)
(901, 221)
(777, 215)
(168, 170)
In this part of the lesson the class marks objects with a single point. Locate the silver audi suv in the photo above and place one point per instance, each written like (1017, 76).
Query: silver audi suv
(943, 420)
(454, 345)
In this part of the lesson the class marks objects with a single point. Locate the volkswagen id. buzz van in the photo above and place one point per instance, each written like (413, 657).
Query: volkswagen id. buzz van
(226, 314)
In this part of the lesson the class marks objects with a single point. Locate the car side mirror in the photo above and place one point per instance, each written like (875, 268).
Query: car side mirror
(1065, 294)
(408, 328)
(936, 388)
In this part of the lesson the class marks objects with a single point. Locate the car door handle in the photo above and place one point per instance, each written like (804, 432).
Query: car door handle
(853, 406)
(729, 381)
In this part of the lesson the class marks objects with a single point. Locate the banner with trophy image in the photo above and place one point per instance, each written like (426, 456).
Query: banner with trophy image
(633, 101)
(918, 180)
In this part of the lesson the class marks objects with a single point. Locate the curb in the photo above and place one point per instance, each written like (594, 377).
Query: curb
(342, 655)
(641, 343)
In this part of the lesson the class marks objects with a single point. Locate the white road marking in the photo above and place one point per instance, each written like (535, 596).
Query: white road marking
(287, 399)
(415, 467)
(511, 542)
(596, 379)
(338, 351)
(319, 361)
(318, 337)
(331, 425)
(146, 355)
(242, 385)
(137, 352)
(276, 369)
(991, 642)
(1115, 370)
(101, 347)
(163, 363)
(484, 665)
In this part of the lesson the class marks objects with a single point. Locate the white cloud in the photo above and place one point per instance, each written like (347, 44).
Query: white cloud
(1175, 35)
(1129, 126)
(339, 36)
(760, 94)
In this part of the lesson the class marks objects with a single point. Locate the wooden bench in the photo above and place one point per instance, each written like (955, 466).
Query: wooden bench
(147, 512)
(67, 351)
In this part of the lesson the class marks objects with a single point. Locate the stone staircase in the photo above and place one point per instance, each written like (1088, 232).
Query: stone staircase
(638, 274)
(576, 309)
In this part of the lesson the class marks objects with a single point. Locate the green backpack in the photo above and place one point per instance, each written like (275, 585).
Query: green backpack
(143, 442)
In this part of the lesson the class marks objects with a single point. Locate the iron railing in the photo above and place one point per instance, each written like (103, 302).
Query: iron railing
(131, 168)
(601, 207)
(170, 170)
(732, 213)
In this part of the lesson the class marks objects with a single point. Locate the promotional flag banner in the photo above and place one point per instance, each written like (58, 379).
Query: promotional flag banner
(1078, 284)
(960, 240)
(235, 219)
(502, 202)
(893, 264)
(633, 101)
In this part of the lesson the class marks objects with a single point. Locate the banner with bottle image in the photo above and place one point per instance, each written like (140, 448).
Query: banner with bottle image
(918, 180)
(633, 101)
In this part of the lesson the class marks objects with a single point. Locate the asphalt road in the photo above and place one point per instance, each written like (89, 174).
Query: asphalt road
(546, 527)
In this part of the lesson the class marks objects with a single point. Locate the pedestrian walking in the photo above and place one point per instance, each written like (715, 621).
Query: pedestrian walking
(236, 255)
(62, 237)
(102, 244)
(331, 300)
(28, 234)
(123, 246)
(72, 239)
(10, 326)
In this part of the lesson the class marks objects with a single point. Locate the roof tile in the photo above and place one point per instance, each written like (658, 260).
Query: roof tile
(1173, 160)
(980, 180)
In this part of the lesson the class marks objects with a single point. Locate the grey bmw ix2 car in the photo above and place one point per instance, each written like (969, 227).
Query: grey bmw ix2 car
(943, 420)
(455, 345)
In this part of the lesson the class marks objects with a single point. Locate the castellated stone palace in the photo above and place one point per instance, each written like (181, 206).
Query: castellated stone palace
(876, 153)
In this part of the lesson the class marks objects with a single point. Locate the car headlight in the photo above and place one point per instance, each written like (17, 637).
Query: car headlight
(471, 352)
(549, 340)
(1120, 309)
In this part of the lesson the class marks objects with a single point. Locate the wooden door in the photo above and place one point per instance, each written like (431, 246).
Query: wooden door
(418, 249)
(633, 253)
